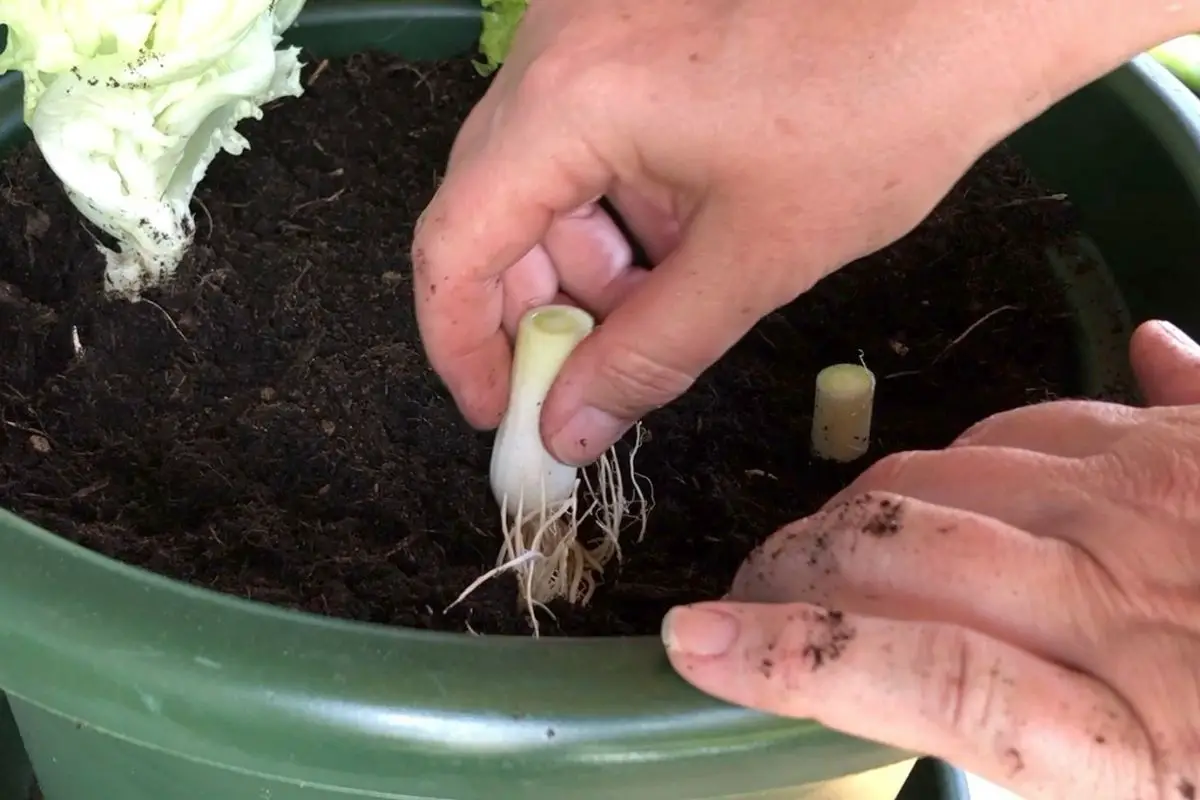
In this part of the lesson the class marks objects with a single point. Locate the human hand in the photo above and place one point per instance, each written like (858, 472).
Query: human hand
(752, 146)
(1024, 604)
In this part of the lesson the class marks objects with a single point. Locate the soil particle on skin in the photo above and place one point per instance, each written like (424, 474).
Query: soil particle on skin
(831, 634)
(269, 427)
(885, 521)
(879, 517)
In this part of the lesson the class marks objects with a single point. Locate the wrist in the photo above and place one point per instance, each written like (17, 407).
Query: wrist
(1078, 41)
(1023, 56)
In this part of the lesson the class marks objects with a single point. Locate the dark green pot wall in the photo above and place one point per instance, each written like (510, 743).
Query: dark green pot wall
(1127, 149)
(16, 774)
(127, 686)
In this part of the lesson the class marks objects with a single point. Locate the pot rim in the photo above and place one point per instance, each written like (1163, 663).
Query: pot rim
(1168, 107)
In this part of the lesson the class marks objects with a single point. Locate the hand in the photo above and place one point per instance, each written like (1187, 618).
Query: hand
(753, 146)
(1024, 604)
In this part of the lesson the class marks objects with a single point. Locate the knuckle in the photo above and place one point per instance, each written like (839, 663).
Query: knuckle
(559, 76)
(636, 382)
(980, 431)
(548, 75)
(964, 691)
(889, 471)
(1001, 427)
(836, 531)
(863, 506)
(793, 564)
(1153, 471)
(992, 428)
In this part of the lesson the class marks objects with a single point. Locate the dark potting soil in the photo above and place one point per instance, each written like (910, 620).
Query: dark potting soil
(268, 426)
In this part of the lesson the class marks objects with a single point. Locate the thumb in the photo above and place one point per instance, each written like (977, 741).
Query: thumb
(986, 706)
(681, 318)
(1166, 362)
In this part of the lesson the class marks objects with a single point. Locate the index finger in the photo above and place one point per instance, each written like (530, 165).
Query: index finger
(492, 208)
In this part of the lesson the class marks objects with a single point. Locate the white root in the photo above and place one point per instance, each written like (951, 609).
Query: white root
(545, 546)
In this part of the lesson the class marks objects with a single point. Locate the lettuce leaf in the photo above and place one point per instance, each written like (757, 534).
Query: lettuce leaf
(130, 101)
(500, 20)
(1182, 57)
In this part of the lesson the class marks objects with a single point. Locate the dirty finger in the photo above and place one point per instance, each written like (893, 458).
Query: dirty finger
(984, 705)
(891, 556)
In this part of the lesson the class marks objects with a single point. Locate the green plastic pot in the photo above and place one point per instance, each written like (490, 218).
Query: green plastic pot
(128, 686)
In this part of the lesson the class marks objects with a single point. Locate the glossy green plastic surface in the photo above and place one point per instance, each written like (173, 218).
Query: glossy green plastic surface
(128, 686)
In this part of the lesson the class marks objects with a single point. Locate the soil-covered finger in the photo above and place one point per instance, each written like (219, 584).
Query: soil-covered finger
(891, 556)
(982, 704)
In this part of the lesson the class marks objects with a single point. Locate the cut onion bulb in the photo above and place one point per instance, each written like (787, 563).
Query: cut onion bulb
(842, 410)
(556, 542)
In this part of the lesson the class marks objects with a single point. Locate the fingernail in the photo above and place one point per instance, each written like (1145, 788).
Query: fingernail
(1178, 335)
(699, 631)
(585, 210)
(586, 434)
